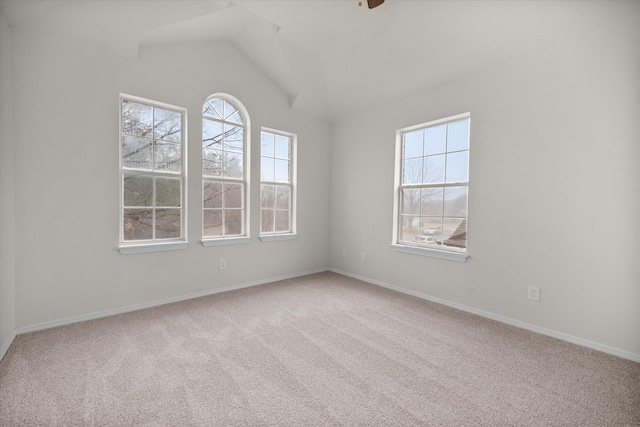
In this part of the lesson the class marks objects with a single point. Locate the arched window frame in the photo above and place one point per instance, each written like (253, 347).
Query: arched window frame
(216, 186)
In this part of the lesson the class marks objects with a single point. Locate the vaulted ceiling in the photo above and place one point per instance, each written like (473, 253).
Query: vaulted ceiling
(331, 57)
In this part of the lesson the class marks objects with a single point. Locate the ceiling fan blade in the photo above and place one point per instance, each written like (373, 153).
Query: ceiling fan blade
(374, 3)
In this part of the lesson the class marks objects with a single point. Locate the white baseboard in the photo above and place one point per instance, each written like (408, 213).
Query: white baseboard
(513, 322)
(142, 306)
(509, 321)
(4, 346)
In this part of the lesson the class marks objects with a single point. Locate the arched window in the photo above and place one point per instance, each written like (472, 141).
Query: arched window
(225, 171)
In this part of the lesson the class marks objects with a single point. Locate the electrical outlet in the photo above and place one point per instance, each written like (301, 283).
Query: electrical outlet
(534, 293)
(222, 264)
(344, 252)
(363, 257)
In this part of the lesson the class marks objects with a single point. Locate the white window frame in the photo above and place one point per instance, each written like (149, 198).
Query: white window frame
(154, 245)
(245, 237)
(292, 184)
(448, 253)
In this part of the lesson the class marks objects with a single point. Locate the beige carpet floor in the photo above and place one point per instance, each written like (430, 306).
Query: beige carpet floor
(320, 350)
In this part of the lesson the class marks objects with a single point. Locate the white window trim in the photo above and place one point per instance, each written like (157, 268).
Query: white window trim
(137, 247)
(208, 241)
(450, 255)
(155, 247)
(223, 241)
(277, 237)
(293, 234)
(446, 254)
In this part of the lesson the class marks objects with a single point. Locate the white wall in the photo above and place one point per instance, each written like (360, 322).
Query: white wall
(66, 169)
(555, 189)
(7, 213)
(554, 199)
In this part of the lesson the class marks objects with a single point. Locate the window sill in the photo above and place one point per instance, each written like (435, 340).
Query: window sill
(431, 252)
(225, 241)
(278, 237)
(152, 247)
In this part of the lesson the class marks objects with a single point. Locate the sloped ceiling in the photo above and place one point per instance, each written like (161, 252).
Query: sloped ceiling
(331, 57)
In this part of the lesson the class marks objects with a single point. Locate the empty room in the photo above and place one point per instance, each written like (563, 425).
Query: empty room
(319, 213)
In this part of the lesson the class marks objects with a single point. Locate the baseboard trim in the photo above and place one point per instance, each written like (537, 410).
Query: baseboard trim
(155, 303)
(507, 320)
(503, 319)
(6, 344)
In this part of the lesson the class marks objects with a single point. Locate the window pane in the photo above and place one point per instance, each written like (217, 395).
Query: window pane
(435, 140)
(218, 107)
(458, 135)
(232, 195)
(267, 169)
(431, 201)
(208, 111)
(233, 222)
(410, 201)
(167, 223)
(168, 125)
(168, 157)
(430, 230)
(282, 147)
(455, 201)
(211, 162)
(137, 224)
(233, 165)
(268, 146)
(212, 194)
(229, 110)
(168, 192)
(233, 138)
(282, 221)
(458, 167)
(211, 134)
(137, 119)
(136, 152)
(235, 118)
(212, 222)
(409, 228)
(138, 190)
(268, 196)
(267, 224)
(412, 171)
(283, 197)
(455, 232)
(282, 170)
(413, 144)
(434, 169)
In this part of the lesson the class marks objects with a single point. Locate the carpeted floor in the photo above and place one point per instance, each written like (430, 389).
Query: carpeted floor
(318, 350)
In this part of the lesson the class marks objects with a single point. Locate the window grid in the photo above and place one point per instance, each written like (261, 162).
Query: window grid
(277, 183)
(433, 185)
(152, 146)
(224, 169)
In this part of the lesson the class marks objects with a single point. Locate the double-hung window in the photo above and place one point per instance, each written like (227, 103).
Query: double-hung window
(432, 188)
(277, 185)
(225, 171)
(152, 175)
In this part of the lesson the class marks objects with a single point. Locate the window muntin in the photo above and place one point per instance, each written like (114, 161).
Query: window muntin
(277, 183)
(225, 163)
(433, 185)
(152, 172)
